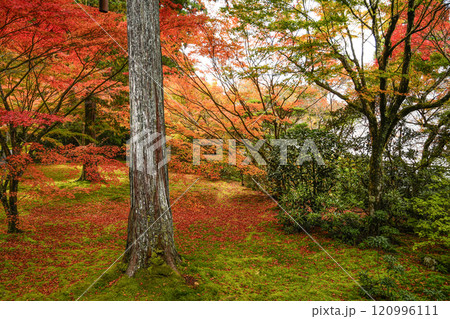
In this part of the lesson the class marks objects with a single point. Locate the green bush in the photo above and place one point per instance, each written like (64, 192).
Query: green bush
(380, 243)
(324, 195)
(396, 206)
(436, 262)
(434, 210)
(304, 188)
(386, 285)
(347, 227)
(351, 181)
(309, 178)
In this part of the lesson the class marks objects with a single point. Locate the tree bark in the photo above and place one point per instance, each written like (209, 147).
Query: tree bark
(89, 172)
(13, 220)
(379, 135)
(9, 204)
(150, 227)
(375, 176)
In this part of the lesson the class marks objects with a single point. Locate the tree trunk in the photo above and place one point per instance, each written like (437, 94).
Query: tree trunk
(89, 172)
(10, 207)
(150, 227)
(13, 221)
(375, 175)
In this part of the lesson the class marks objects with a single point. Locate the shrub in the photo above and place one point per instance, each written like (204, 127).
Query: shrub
(380, 243)
(309, 178)
(436, 262)
(397, 208)
(351, 181)
(386, 285)
(434, 209)
(346, 226)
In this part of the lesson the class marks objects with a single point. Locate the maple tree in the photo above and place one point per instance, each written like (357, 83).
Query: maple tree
(54, 57)
(326, 42)
(223, 86)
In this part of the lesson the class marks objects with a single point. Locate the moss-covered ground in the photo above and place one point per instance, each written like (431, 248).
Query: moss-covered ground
(227, 235)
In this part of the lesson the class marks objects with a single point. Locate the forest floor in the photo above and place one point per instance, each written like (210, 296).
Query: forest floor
(227, 235)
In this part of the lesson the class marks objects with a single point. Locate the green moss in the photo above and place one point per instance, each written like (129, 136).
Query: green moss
(263, 265)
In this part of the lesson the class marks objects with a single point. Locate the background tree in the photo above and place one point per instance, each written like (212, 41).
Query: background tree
(52, 59)
(327, 43)
(89, 171)
(232, 92)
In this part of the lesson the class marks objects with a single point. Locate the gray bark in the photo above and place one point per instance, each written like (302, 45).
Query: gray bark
(150, 227)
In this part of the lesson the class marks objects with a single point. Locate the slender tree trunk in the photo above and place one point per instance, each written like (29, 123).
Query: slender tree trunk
(89, 172)
(9, 204)
(375, 175)
(150, 227)
(10, 186)
(13, 221)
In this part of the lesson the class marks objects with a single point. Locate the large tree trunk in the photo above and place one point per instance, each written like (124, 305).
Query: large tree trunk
(89, 171)
(150, 228)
